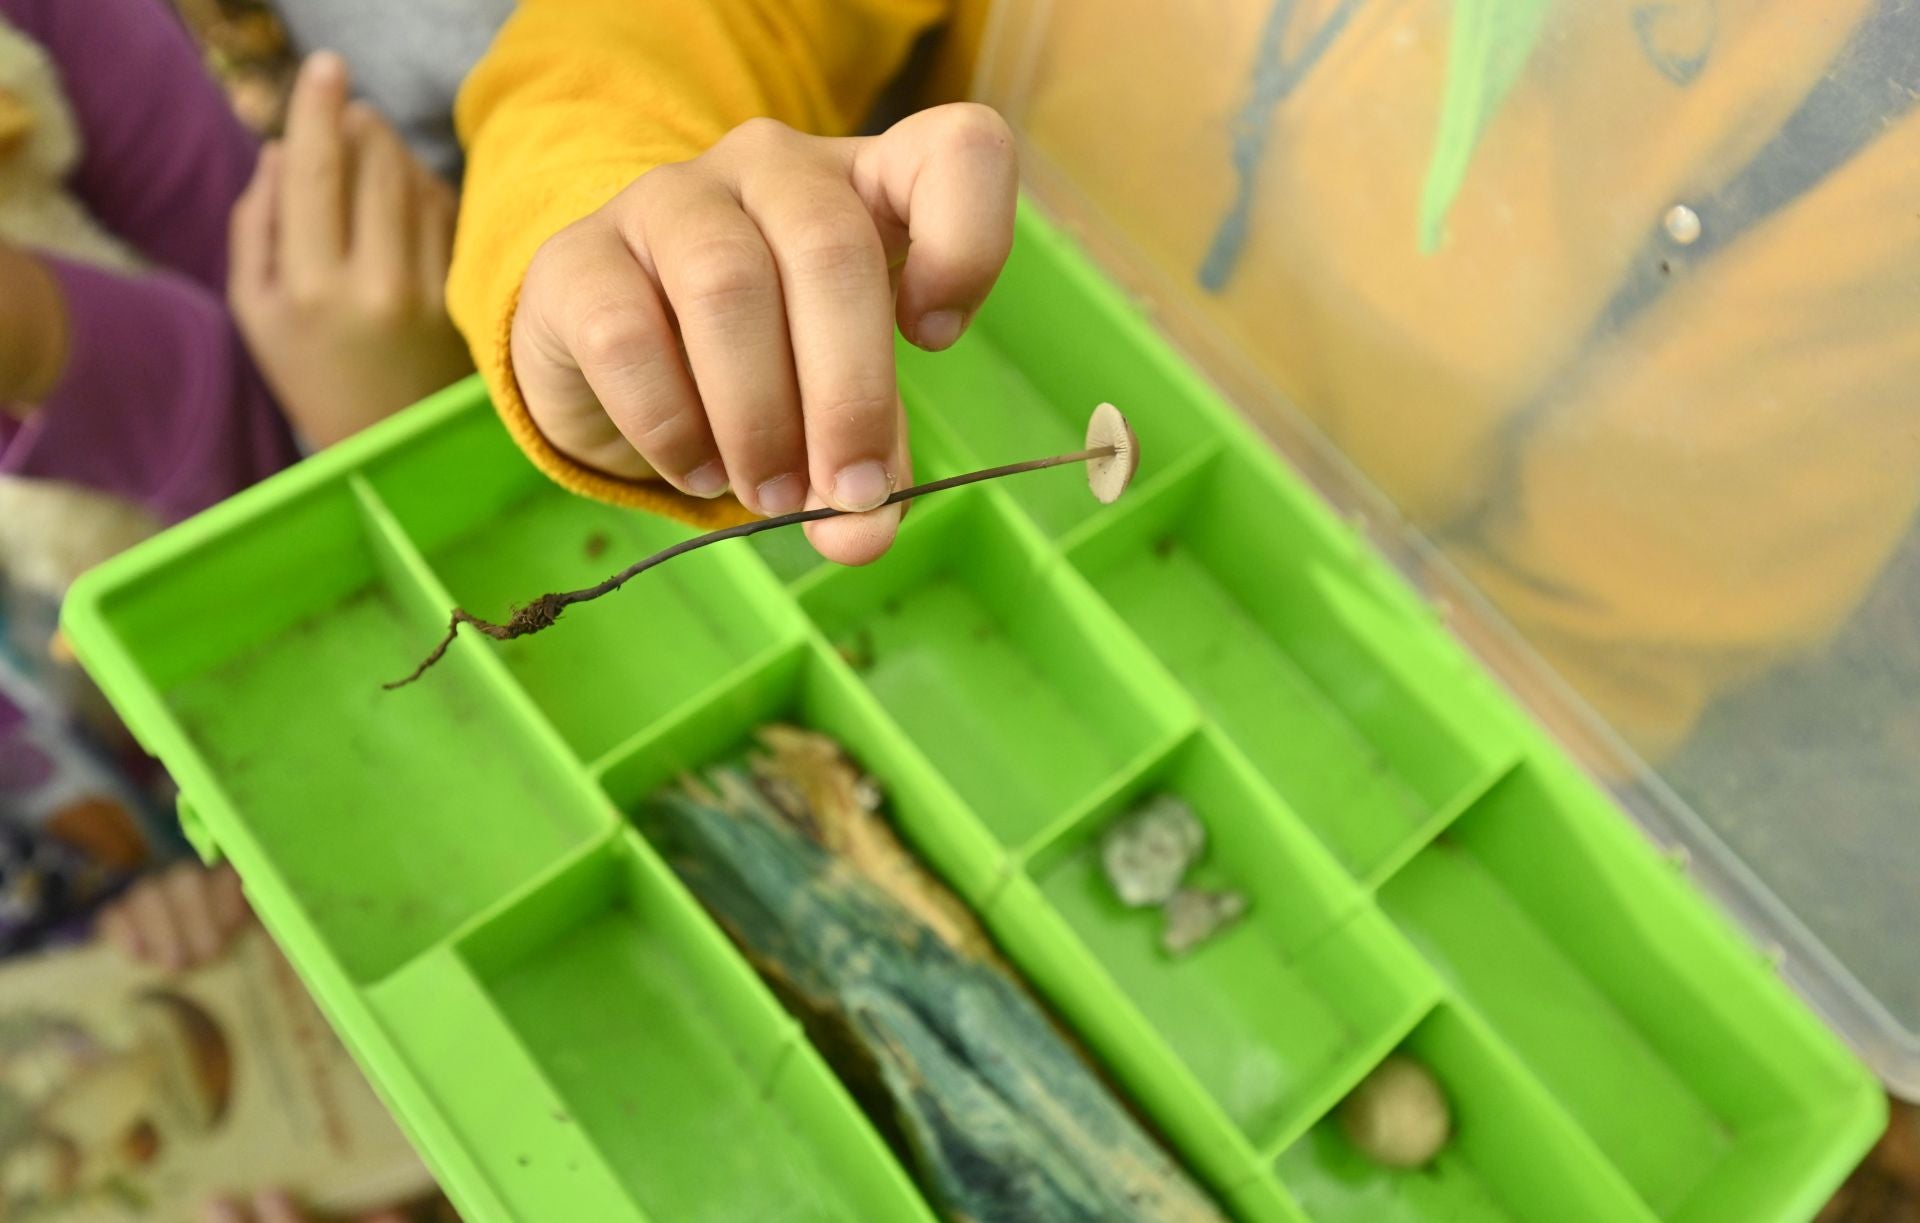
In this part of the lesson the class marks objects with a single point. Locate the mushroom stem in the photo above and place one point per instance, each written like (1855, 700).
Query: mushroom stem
(543, 611)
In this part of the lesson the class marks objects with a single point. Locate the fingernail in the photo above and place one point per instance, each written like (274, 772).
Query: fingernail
(782, 495)
(708, 480)
(222, 1212)
(938, 330)
(861, 486)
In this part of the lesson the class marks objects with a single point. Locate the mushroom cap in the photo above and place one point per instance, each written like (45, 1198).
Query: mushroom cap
(1108, 477)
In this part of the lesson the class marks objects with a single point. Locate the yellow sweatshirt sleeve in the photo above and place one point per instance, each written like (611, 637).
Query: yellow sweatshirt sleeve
(577, 98)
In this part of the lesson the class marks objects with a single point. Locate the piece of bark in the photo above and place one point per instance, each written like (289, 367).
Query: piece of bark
(993, 1110)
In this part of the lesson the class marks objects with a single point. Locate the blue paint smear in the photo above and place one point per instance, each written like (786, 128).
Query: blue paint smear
(1274, 78)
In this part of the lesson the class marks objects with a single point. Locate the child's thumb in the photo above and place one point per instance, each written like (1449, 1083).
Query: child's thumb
(951, 177)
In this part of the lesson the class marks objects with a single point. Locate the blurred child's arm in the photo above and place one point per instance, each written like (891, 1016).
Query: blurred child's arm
(162, 154)
(178, 919)
(154, 398)
(727, 322)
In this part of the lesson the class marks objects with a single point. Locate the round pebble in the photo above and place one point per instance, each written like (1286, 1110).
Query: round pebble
(1398, 1116)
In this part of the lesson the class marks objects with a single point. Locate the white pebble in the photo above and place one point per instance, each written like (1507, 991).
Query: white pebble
(1398, 1116)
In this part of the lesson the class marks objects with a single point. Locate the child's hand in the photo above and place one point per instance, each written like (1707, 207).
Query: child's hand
(179, 919)
(340, 247)
(728, 321)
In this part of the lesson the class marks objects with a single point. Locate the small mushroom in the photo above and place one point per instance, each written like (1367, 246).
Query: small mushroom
(1109, 475)
(1398, 1116)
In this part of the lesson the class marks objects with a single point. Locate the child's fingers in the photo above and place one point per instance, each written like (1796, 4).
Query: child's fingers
(250, 230)
(228, 900)
(434, 246)
(725, 290)
(157, 936)
(853, 539)
(951, 176)
(189, 896)
(858, 539)
(839, 314)
(599, 365)
(313, 211)
(118, 929)
(383, 208)
(223, 1211)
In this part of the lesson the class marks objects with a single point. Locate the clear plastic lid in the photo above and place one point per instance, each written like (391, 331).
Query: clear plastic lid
(1605, 318)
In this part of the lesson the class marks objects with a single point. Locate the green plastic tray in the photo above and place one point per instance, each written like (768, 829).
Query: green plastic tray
(566, 1035)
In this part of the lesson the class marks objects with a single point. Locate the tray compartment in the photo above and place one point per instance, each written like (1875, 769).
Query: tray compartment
(496, 533)
(998, 665)
(1259, 613)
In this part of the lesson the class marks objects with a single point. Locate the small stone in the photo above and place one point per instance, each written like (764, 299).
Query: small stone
(1195, 915)
(1147, 853)
(1398, 1116)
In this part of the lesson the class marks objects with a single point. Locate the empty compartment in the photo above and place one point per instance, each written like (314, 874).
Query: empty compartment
(1273, 1012)
(801, 687)
(663, 1048)
(1631, 1002)
(1511, 1154)
(1001, 669)
(498, 534)
(391, 817)
(1265, 614)
(502, 1143)
(998, 414)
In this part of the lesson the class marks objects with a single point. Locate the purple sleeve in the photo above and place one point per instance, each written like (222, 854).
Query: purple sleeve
(159, 401)
(164, 157)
